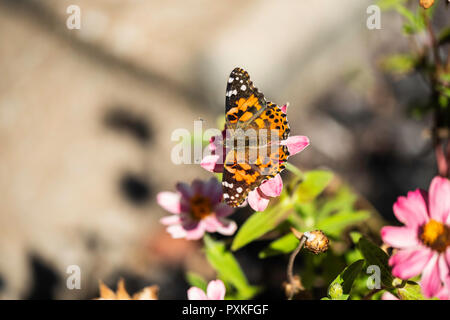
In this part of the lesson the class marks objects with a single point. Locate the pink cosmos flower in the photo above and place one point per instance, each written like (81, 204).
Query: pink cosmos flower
(214, 291)
(423, 242)
(259, 198)
(388, 296)
(196, 209)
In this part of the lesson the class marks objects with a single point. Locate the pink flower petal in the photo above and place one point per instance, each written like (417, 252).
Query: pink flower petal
(440, 199)
(227, 228)
(211, 164)
(400, 237)
(409, 263)
(211, 223)
(196, 233)
(195, 293)
(447, 255)
(216, 290)
(256, 201)
(443, 294)
(272, 187)
(431, 281)
(169, 201)
(216, 142)
(412, 210)
(296, 144)
(388, 296)
(444, 270)
(176, 231)
(213, 191)
(185, 190)
(212, 146)
(170, 220)
(223, 210)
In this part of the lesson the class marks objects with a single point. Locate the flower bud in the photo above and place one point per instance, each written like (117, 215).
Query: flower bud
(316, 241)
(335, 291)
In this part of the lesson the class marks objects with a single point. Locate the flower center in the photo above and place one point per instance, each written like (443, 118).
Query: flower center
(200, 207)
(436, 235)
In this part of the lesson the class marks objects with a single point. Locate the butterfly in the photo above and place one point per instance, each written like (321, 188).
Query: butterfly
(254, 129)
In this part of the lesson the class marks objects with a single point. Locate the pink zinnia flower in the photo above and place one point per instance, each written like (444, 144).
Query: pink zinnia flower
(258, 198)
(424, 241)
(196, 208)
(214, 291)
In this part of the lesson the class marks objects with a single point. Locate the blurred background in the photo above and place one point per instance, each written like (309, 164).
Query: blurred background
(86, 118)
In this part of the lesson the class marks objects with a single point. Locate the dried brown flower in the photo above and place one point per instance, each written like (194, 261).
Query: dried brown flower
(148, 293)
(426, 3)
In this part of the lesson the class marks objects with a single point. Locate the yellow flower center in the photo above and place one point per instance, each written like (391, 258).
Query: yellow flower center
(200, 207)
(436, 235)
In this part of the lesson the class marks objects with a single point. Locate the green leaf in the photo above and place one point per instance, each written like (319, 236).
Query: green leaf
(335, 224)
(352, 256)
(443, 101)
(411, 291)
(260, 223)
(407, 14)
(196, 280)
(444, 77)
(355, 236)
(389, 4)
(399, 64)
(375, 256)
(444, 36)
(340, 288)
(312, 185)
(283, 245)
(344, 199)
(228, 268)
(306, 210)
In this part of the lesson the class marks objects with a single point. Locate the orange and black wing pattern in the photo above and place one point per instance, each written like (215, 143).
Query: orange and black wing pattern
(260, 126)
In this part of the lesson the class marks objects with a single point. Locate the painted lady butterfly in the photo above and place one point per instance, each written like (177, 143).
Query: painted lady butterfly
(250, 163)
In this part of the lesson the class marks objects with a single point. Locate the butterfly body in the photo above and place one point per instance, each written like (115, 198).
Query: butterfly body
(255, 130)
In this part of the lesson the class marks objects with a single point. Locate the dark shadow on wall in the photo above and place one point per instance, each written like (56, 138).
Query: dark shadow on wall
(123, 121)
(135, 189)
(45, 280)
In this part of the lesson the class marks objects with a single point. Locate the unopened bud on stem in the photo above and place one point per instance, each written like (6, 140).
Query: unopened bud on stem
(316, 241)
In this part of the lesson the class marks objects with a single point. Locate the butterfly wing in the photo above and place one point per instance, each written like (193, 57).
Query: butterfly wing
(243, 101)
(246, 108)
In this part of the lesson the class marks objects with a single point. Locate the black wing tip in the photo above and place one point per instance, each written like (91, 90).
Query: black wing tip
(239, 70)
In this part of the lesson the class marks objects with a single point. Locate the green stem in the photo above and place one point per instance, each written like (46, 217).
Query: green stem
(290, 268)
(294, 170)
